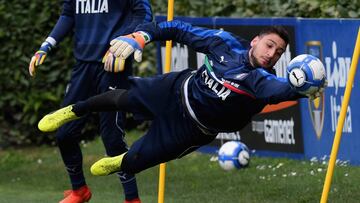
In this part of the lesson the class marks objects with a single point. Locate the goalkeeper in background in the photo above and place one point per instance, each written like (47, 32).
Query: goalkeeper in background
(188, 108)
(94, 24)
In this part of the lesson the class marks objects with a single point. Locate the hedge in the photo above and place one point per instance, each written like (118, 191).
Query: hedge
(25, 25)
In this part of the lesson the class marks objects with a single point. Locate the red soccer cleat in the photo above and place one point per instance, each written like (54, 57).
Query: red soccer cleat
(67, 193)
(80, 195)
(136, 200)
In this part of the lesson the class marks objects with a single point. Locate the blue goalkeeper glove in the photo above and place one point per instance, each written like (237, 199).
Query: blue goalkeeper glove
(124, 46)
(40, 55)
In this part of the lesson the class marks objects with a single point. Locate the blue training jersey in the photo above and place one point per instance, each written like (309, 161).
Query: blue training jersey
(225, 92)
(96, 22)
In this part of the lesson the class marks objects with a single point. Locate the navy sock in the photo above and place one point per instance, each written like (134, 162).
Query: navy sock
(77, 179)
(129, 184)
(72, 157)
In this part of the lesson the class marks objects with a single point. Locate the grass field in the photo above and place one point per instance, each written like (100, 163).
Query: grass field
(37, 175)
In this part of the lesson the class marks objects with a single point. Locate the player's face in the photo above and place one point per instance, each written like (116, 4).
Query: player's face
(266, 50)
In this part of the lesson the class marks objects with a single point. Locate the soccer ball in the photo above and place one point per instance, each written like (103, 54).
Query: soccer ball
(233, 155)
(306, 74)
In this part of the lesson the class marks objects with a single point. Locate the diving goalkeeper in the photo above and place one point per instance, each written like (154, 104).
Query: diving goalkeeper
(188, 108)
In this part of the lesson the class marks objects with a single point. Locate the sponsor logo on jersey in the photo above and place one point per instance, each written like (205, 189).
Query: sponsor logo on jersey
(112, 88)
(222, 59)
(215, 86)
(92, 6)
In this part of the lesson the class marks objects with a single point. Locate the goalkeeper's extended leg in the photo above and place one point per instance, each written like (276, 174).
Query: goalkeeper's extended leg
(108, 101)
(54, 120)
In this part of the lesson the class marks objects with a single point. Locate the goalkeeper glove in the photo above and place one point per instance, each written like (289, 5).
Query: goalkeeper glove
(40, 55)
(124, 46)
(319, 92)
(112, 63)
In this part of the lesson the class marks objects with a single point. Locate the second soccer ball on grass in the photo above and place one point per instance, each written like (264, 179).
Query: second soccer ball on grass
(233, 155)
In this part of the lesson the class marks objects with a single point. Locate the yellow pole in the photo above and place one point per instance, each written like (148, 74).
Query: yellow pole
(170, 16)
(341, 120)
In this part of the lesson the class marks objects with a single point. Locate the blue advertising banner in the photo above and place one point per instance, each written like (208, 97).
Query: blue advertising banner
(333, 42)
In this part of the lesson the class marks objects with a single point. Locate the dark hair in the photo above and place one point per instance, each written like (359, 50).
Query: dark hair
(276, 29)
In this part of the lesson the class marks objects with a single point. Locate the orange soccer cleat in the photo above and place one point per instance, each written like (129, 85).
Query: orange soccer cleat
(80, 195)
(136, 200)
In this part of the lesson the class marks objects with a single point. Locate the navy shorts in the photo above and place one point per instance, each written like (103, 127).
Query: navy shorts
(172, 134)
